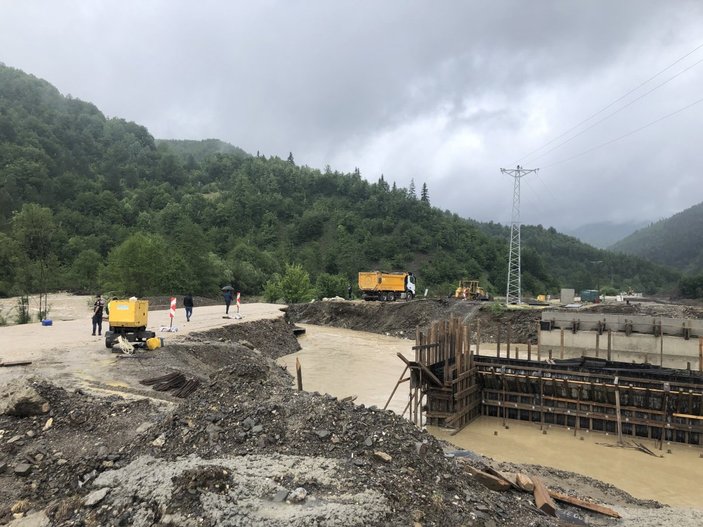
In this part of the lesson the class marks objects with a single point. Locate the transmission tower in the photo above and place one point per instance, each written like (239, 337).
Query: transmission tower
(514, 289)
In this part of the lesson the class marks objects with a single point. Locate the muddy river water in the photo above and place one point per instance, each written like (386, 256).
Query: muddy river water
(351, 363)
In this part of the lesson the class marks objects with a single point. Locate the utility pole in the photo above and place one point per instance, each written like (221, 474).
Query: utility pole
(513, 291)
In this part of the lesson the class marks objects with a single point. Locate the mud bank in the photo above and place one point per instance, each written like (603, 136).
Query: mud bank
(401, 319)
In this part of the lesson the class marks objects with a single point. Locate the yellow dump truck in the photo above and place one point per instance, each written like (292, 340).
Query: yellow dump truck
(128, 319)
(377, 285)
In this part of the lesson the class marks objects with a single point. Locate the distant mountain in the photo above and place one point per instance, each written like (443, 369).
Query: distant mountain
(198, 151)
(676, 241)
(604, 234)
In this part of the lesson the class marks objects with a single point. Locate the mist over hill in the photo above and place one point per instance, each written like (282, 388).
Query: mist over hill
(604, 234)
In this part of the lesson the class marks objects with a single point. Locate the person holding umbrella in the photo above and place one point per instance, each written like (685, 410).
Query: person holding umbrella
(228, 294)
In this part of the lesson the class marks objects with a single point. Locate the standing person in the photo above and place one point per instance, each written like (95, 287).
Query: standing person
(228, 296)
(98, 307)
(188, 304)
(349, 291)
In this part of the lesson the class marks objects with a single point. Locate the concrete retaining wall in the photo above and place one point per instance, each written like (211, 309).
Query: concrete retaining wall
(669, 351)
(632, 323)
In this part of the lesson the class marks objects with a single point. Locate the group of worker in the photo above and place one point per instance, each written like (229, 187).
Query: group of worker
(99, 306)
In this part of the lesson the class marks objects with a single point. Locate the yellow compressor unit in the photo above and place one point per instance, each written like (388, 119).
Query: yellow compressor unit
(128, 319)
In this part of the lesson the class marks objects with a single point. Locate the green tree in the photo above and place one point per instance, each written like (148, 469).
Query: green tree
(142, 265)
(85, 271)
(330, 285)
(425, 194)
(9, 257)
(33, 228)
(293, 286)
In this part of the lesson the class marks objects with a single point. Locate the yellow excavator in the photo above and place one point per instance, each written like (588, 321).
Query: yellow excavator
(470, 290)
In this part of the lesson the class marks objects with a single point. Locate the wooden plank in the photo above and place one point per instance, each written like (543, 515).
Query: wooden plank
(9, 364)
(487, 480)
(618, 413)
(400, 380)
(688, 416)
(428, 372)
(593, 507)
(299, 374)
(509, 480)
(524, 482)
(425, 346)
(543, 500)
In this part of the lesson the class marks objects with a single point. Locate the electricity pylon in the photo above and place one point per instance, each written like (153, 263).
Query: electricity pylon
(513, 293)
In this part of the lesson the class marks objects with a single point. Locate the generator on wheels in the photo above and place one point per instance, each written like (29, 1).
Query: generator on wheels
(128, 319)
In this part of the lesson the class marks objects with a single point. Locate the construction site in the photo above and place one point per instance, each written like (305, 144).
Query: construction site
(219, 427)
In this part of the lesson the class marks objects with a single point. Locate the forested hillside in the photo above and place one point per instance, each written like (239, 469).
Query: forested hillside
(192, 153)
(89, 203)
(676, 241)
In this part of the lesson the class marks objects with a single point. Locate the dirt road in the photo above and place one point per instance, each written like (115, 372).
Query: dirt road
(68, 354)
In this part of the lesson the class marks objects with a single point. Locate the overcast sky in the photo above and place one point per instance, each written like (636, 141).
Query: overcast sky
(445, 93)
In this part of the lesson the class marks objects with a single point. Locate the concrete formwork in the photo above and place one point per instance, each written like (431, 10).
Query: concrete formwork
(639, 400)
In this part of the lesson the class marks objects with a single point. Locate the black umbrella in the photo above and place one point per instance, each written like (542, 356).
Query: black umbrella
(228, 288)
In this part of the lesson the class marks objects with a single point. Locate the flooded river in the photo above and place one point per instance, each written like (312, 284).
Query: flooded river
(351, 363)
(346, 363)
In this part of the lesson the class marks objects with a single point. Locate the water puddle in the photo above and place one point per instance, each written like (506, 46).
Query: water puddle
(351, 363)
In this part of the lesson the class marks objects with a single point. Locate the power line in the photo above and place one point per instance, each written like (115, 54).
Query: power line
(617, 111)
(616, 101)
(631, 132)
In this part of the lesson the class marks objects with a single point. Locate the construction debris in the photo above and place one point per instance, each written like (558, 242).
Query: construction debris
(543, 500)
(583, 504)
(487, 480)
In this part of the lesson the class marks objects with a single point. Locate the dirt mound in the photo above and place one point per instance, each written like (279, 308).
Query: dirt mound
(390, 318)
(402, 318)
(274, 337)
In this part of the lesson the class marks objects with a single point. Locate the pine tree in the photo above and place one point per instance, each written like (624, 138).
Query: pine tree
(290, 158)
(424, 194)
(411, 189)
(382, 183)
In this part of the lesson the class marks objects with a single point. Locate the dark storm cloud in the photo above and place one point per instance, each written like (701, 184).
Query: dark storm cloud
(443, 92)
